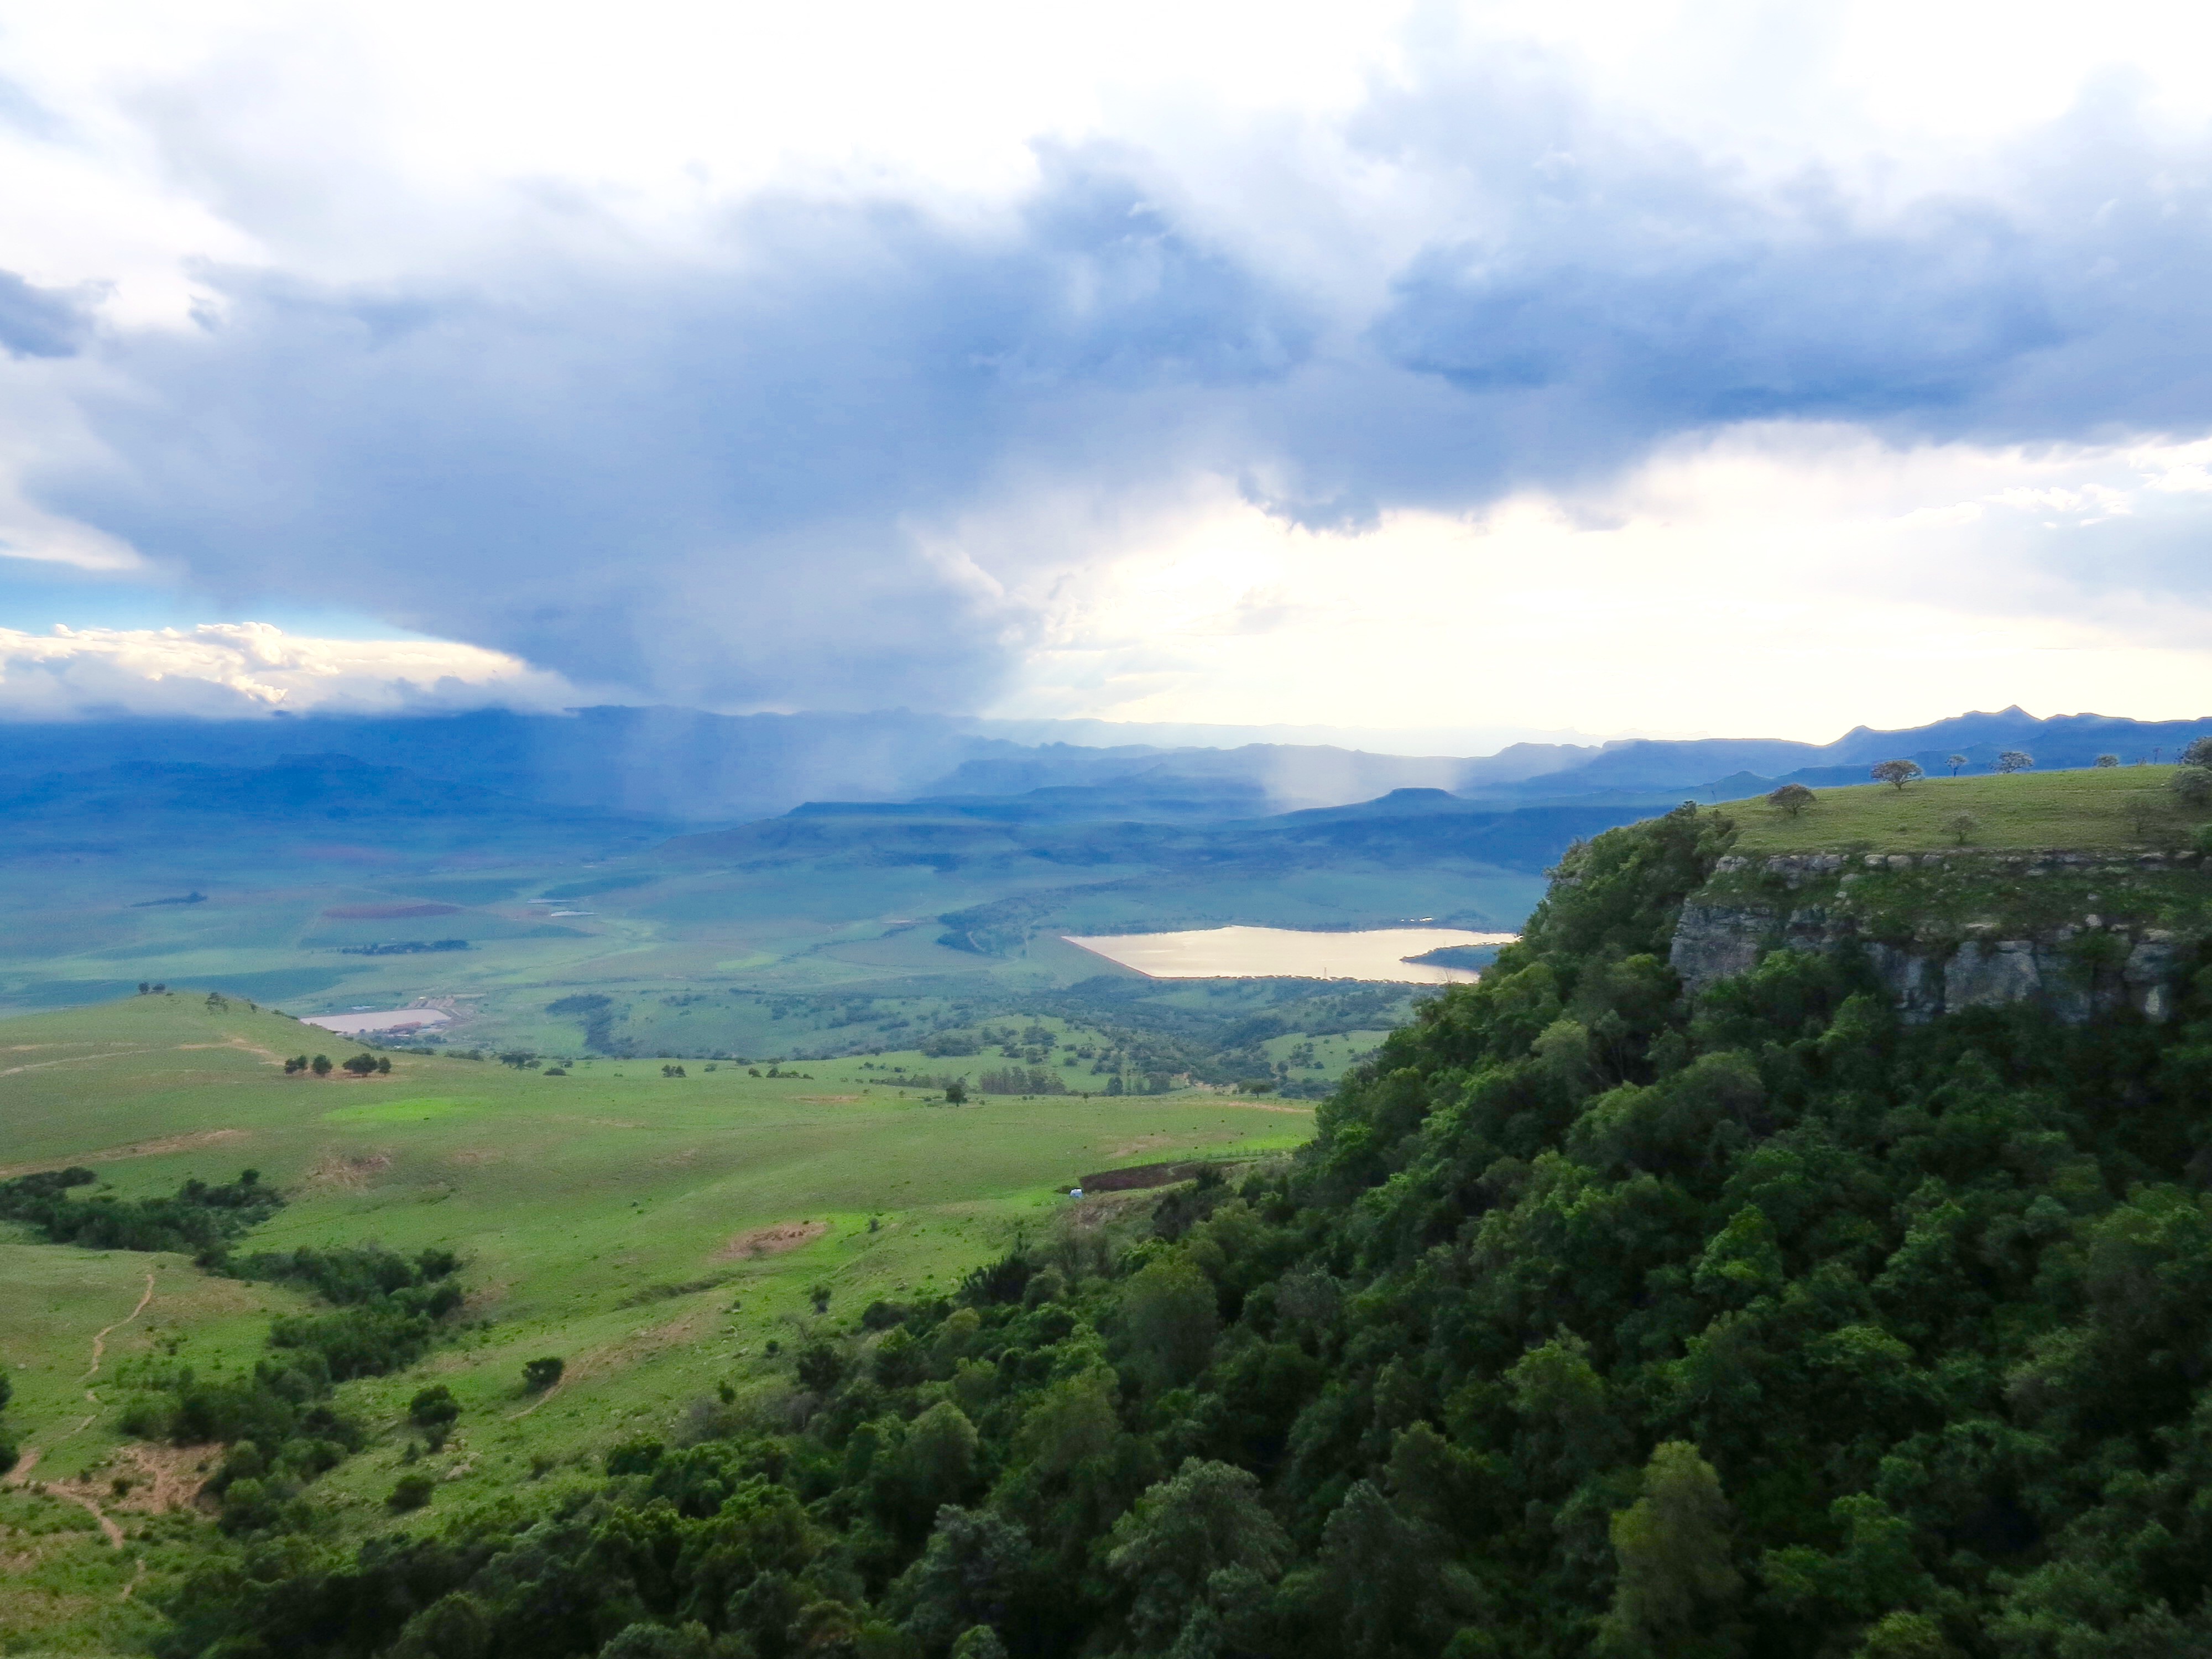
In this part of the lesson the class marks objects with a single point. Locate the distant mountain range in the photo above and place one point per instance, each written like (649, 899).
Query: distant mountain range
(682, 766)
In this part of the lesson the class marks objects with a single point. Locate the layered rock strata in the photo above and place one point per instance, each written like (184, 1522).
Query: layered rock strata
(2077, 967)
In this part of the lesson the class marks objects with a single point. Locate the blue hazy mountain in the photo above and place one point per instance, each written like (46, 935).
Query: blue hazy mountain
(683, 765)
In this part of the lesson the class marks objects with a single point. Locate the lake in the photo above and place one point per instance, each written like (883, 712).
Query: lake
(1379, 953)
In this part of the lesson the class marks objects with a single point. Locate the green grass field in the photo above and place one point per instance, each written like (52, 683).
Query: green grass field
(2126, 808)
(656, 1233)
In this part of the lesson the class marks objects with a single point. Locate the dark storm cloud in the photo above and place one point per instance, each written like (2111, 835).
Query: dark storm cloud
(703, 480)
(698, 482)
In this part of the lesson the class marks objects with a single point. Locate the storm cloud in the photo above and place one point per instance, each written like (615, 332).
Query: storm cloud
(735, 475)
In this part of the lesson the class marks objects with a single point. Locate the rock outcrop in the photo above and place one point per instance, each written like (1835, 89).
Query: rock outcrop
(2075, 968)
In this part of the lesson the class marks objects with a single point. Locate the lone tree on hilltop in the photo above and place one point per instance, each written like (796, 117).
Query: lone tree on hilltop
(2015, 760)
(1792, 798)
(1954, 763)
(1896, 772)
(2104, 761)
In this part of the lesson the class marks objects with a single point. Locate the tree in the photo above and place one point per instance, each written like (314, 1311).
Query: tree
(1207, 1519)
(979, 1642)
(411, 1492)
(322, 1065)
(955, 1092)
(539, 1374)
(297, 1063)
(2193, 784)
(1954, 763)
(936, 1464)
(2015, 760)
(1168, 1310)
(362, 1064)
(2199, 752)
(1896, 772)
(2104, 761)
(1961, 825)
(1676, 1577)
(1792, 798)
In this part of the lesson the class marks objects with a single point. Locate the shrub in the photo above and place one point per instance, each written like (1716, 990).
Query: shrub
(434, 1408)
(539, 1374)
(411, 1492)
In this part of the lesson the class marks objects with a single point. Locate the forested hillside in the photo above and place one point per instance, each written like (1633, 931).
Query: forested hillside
(1592, 1322)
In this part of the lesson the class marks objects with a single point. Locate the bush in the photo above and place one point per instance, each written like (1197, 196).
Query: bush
(411, 1492)
(539, 1374)
(434, 1409)
(2193, 784)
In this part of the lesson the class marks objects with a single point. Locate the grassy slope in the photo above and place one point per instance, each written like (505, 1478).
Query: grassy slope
(2128, 808)
(581, 1204)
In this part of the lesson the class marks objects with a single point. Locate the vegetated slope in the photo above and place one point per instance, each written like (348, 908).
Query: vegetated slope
(1593, 1321)
(661, 1234)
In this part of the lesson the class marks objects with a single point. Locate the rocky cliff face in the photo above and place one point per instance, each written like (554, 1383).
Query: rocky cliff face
(2075, 934)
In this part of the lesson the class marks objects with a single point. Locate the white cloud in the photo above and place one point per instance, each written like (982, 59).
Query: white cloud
(1780, 581)
(750, 354)
(235, 669)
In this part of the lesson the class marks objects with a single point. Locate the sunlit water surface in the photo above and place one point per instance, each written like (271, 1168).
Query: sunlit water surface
(1380, 953)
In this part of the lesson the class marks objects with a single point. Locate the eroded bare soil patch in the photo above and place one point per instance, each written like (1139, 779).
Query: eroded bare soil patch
(772, 1241)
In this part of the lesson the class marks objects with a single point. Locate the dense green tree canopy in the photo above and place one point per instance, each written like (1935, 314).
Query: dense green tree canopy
(1595, 1320)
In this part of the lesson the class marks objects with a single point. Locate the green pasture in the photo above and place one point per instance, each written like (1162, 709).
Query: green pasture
(657, 1233)
(2113, 809)
(284, 919)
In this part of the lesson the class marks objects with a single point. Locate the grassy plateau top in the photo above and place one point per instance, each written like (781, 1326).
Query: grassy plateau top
(2113, 809)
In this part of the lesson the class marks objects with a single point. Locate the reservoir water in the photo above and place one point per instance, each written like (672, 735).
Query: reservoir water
(1379, 953)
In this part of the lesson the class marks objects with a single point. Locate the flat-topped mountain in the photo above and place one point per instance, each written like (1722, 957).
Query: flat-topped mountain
(2078, 892)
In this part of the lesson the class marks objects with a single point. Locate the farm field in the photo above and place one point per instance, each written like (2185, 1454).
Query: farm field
(657, 1233)
(2122, 808)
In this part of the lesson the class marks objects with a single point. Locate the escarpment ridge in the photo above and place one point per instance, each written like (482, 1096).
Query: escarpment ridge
(2080, 931)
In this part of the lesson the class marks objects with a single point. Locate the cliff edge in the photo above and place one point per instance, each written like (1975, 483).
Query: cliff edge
(2117, 921)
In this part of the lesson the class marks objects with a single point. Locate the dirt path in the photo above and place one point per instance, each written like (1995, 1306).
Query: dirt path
(20, 1476)
(99, 1341)
(541, 1400)
(108, 1529)
(137, 1149)
(41, 1065)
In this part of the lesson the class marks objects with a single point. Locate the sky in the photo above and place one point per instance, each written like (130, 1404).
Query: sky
(1694, 367)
